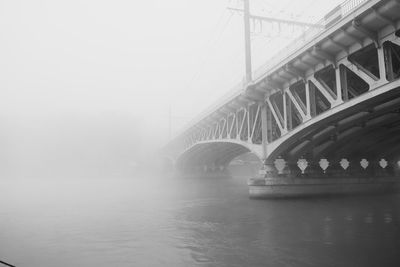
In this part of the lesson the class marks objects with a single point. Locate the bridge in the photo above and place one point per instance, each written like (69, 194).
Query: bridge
(327, 106)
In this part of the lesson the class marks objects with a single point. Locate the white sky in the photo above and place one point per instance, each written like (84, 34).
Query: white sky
(135, 57)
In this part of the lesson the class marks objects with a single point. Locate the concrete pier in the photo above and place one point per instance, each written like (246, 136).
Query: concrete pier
(285, 187)
(335, 177)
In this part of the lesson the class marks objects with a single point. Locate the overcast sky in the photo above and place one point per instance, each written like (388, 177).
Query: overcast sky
(136, 56)
(136, 59)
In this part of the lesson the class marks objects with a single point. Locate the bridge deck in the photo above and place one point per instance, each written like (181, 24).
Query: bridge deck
(337, 85)
(343, 13)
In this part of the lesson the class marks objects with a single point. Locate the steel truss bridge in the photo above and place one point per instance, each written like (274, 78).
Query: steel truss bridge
(330, 101)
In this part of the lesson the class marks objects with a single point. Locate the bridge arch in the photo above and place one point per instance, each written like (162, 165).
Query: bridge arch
(328, 102)
(367, 126)
(214, 154)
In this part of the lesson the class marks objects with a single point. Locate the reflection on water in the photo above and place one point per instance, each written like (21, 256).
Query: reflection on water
(164, 221)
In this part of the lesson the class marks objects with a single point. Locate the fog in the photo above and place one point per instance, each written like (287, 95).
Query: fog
(74, 144)
(89, 87)
(90, 90)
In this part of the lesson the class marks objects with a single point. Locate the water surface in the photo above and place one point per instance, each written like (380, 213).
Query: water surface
(149, 220)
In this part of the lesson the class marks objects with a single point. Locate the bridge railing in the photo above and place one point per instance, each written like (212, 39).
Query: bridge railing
(329, 19)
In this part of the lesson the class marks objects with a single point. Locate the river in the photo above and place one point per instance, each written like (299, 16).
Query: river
(157, 220)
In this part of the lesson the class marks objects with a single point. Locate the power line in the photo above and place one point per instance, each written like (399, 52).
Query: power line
(278, 20)
(212, 43)
(209, 51)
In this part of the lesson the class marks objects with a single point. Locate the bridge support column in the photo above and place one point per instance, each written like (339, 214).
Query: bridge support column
(280, 178)
(264, 130)
(267, 171)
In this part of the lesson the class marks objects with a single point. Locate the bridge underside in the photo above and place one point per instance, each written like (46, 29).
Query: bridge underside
(370, 129)
(210, 155)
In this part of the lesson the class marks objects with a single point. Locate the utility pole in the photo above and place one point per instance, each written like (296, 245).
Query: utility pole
(247, 44)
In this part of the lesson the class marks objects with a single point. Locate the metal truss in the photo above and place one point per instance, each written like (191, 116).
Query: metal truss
(350, 61)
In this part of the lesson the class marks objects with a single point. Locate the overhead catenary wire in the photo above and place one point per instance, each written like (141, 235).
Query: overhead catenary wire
(212, 43)
(273, 38)
(222, 24)
(277, 33)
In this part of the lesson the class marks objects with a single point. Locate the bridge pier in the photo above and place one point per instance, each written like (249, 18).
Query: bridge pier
(281, 178)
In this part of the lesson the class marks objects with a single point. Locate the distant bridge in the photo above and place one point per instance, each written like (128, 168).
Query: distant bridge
(329, 100)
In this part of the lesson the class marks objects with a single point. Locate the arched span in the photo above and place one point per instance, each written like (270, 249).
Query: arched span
(367, 126)
(214, 153)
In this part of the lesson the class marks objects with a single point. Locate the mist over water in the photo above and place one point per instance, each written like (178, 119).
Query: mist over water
(87, 191)
(145, 219)
(89, 92)
(69, 145)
